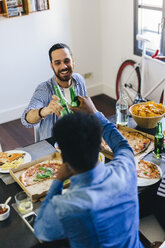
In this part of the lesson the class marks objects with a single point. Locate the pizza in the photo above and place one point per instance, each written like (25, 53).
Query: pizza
(137, 141)
(41, 171)
(10, 160)
(147, 170)
(105, 146)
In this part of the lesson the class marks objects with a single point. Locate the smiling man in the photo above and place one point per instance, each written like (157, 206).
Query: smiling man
(43, 109)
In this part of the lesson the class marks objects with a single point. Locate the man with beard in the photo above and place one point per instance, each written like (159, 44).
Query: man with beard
(44, 109)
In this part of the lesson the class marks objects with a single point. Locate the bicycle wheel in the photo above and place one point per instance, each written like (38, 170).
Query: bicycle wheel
(128, 80)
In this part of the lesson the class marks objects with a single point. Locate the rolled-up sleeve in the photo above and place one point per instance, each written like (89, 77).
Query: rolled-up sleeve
(38, 100)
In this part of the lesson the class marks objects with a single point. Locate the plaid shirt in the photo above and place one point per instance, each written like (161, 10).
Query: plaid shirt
(42, 97)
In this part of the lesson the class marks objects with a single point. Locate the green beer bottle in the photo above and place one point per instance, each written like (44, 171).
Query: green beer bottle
(159, 139)
(62, 101)
(74, 100)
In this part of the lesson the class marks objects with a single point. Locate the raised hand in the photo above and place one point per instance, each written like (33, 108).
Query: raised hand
(53, 107)
(86, 105)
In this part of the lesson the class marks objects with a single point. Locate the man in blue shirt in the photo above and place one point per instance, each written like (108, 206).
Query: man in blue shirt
(43, 109)
(100, 208)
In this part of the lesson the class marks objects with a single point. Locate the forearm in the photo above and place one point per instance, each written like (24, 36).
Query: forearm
(33, 115)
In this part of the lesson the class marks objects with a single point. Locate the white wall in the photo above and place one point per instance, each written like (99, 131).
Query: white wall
(85, 19)
(24, 59)
(99, 32)
(117, 39)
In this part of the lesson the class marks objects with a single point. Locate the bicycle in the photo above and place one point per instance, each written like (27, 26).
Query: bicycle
(131, 75)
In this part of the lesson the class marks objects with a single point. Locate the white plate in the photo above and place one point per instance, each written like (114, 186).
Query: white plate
(141, 182)
(27, 158)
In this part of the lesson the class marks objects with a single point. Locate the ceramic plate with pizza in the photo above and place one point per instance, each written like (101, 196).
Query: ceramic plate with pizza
(148, 173)
(13, 159)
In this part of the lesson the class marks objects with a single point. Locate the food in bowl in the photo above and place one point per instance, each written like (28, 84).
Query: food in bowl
(4, 212)
(146, 118)
(148, 109)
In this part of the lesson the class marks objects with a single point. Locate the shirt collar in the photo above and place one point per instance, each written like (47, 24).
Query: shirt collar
(74, 82)
(91, 177)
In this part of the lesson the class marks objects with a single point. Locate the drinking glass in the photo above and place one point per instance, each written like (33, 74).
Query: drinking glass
(24, 202)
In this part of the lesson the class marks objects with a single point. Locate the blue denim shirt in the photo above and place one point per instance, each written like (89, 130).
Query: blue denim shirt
(100, 208)
(42, 97)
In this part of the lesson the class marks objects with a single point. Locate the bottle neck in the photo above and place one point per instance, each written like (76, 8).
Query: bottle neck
(121, 94)
(159, 130)
(159, 127)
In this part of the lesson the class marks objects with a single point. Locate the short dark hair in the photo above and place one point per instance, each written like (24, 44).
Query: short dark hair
(58, 46)
(79, 137)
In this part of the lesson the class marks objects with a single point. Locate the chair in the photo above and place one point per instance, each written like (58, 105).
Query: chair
(36, 134)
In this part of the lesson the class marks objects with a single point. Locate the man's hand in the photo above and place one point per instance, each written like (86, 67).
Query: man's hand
(86, 105)
(64, 172)
(53, 107)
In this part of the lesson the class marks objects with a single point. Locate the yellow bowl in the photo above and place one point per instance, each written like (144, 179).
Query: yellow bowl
(146, 122)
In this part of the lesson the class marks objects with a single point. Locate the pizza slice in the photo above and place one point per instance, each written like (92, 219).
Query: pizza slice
(10, 160)
(7, 157)
(137, 141)
(147, 170)
(41, 171)
(105, 146)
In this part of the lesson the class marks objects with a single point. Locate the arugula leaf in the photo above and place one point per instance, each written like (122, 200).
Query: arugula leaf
(41, 176)
(49, 170)
(66, 181)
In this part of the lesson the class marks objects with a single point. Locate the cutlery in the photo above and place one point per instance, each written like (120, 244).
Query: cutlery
(7, 201)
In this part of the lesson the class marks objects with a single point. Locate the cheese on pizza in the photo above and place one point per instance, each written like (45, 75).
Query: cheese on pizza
(148, 170)
(137, 141)
(105, 146)
(39, 172)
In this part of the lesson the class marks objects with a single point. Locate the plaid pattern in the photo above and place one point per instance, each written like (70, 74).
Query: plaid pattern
(41, 98)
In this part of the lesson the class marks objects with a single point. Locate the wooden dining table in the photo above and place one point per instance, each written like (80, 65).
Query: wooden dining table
(14, 233)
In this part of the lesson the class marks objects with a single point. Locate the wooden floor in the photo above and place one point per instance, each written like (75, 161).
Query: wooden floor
(14, 135)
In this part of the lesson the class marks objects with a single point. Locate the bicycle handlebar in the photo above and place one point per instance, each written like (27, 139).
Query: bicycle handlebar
(154, 56)
(141, 37)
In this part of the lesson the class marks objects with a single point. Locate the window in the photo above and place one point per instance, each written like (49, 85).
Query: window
(149, 21)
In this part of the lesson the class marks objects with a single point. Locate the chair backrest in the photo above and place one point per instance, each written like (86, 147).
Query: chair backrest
(0, 148)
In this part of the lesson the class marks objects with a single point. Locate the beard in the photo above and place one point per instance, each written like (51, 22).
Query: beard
(63, 77)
